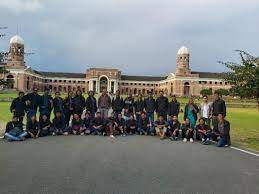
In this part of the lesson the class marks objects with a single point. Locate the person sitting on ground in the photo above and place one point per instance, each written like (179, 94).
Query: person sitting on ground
(131, 125)
(14, 130)
(45, 126)
(174, 127)
(87, 123)
(59, 124)
(144, 125)
(33, 128)
(77, 125)
(161, 127)
(220, 132)
(120, 125)
(97, 124)
(126, 114)
(202, 130)
(110, 126)
(187, 131)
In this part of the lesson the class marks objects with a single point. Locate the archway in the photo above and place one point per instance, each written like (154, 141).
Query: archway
(103, 83)
(186, 89)
(10, 82)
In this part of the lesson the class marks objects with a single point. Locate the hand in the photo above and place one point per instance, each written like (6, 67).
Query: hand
(13, 110)
(37, 136)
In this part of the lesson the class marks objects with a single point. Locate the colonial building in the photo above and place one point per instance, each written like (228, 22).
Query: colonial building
(183, 82)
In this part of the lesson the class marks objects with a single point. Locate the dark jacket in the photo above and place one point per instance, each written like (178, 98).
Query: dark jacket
(44, 124)
(202, 127)
(58, 104)
(129, 104)
(33, 127)
(185, 127)
(219, 106)
(162, 104)
(91, 104)
(132, 123)
(173, 108)
(68, 104)
(58, 123)
(19, 106)
(174, 125)
(97, 122)
(225, 133)
(87, 123)
(193, 111)
(143, 123)
(120, 122)
(34, 101)
(117, 104)
(78, 104)
(158, 122)
(10, 126)
(77, 124)
(150, 105)
(46, 104)
(139, 105)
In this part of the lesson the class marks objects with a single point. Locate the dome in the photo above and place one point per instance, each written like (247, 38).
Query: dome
(183, 50)
(16, 40)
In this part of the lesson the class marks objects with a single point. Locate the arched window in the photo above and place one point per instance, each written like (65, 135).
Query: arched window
(10, 82)
(186, 89)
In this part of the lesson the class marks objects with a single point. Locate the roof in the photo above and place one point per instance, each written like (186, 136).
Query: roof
(209, 74)
(142, 78)
(16, 40)
(183, 50)
(61, 74)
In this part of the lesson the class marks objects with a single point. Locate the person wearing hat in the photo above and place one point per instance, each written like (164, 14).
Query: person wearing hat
(18, 107)
(162, 105)
(14, 130)
(91, 104)
(32, 101)
(173, 107)
(46, 104)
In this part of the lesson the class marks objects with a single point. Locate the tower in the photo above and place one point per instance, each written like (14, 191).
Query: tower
(182, 61)
(16, 53)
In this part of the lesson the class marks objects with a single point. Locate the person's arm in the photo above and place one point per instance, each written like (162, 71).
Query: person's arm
(224, 109)
(38, 133)
(12, 107)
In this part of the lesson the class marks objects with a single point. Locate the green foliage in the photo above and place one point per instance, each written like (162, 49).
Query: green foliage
(3, 82)
(206, 92)
(223, 92)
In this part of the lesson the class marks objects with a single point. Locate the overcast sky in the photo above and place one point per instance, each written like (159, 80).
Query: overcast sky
(137, 36)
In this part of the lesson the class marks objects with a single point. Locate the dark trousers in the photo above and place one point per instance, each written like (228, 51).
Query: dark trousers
(187, 134)
(130, 130)
(171, 133)
(67, 117)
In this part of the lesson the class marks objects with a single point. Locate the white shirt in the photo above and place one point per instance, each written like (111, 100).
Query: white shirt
(205, 110)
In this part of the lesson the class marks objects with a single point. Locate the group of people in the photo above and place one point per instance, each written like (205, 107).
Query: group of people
(79, 116)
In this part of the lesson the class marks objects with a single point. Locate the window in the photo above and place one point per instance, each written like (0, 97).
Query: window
(69, 81)
(199, 82)
(216, 83)
(220, 83)
(226, 83)
(210, 82)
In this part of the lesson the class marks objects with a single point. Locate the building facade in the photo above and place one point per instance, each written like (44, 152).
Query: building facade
(183, 82)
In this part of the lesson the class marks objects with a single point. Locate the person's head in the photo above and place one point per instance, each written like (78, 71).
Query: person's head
(46, 91)
(91, 93)
(118, 93)
(126, 111)
(150, 95)
(132, 117)
(130, 95)
(15, 119)
(87, 115)
(217, 96)
(21, 94)
(190, 100)
(119, 116)
(33, 118)
(201, 121)
(187, 121)
(174, 118)
(76, 116)
(78, 92)
(35, 90)
(220, 117)
(58, 114)
(44, 117)
(57, 94)
(98, 115)
(205, 98)
(104, 92)
(139, 96)
(143, 115)
(160, 118)
(173, 97)
(70, 94)
(161, 93)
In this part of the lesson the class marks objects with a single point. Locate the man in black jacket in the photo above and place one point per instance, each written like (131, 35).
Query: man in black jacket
(68, 107)
(218, 107)
(32, 101)
(18, 107)
(150, 107)
(46, 104)
(14, 130)
(129, 103)
(162, 105)
(78, 103)
(58, 103)
(117, 104)
(91, 104)
(173, 107)
(139, 107)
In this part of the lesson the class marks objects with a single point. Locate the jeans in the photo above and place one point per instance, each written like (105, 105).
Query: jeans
(215, 121)
(30, 114)
(207, 121)
(96, 131)
(10, 137)
(147, 130)
(222, 142)
(104, 112)
(138, 116)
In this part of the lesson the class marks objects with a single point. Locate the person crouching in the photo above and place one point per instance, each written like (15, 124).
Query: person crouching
(77, 125)
(187, 131)
(33, 128)
(14, 130)
(161, 127)
(174, 127)
(45, 126)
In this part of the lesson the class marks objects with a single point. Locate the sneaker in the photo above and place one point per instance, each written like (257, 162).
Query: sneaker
(124, 135)
(191, 140)
(53, 134)
(82, 133)
(152, 134)
(112, 136)
(184, 140)
(66, 133)
(202, 140)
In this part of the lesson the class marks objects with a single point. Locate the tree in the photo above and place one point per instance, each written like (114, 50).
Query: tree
(223, 92)
(244, 76)
(3, 71)
(206, 92)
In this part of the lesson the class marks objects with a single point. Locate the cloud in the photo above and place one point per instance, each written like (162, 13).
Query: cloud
(19, 6)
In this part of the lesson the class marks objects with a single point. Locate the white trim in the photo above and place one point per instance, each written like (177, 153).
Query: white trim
(244, 151)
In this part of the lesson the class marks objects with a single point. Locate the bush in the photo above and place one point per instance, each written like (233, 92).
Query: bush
(206, 92)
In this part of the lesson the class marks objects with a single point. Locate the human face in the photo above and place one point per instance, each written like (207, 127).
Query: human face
(15, 119)
(119, 116)
(21, 95)
(216, 96)
(44, 117)
(173, 98)
(161, 118)
(76, 116)
(190, 101)
(161, 93)
(33, 118)
(174, 118)
(205, 99)
(220, 118)
(187, 121)
(201, 122)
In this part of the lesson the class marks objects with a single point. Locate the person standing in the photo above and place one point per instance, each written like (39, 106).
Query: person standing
(129, 103)
(139, 106)
(162, 105)
(190, 112)
(104, 104)
(46, 104)
(18, 107)
(218, 107)
(173, 107)
(90, 104)
(32, 101)
(68, 107)
(78, 103)
(117, 104)
(150, 107)
(205, 110)
(58, 103)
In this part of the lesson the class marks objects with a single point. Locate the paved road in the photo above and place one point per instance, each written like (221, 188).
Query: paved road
(135, 164)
